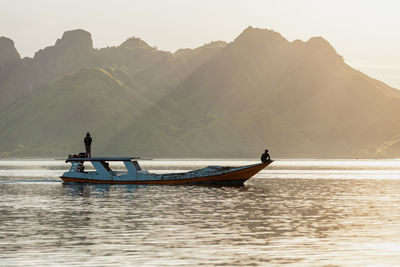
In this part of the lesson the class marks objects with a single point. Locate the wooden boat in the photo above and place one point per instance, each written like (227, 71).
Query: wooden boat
(135, 175)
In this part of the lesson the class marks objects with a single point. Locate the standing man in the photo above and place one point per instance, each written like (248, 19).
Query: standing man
(88, 144)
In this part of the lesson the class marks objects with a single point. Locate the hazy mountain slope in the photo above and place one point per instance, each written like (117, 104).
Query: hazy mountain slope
(171, 69)
(255, 65)
(54, 118)
(69, 54)
(134, 53)
(306, 85)
(9, 57)
(297, 98)
(389, 149)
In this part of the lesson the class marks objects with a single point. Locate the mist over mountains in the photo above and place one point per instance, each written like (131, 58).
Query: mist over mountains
(299, 99)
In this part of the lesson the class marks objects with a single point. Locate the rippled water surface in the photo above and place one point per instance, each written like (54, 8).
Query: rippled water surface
(300, 213)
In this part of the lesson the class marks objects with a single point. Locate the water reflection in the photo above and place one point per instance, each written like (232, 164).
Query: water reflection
(317, 221)
(100, 190)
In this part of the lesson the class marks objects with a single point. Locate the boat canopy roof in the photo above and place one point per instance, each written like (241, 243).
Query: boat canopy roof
(107, 159)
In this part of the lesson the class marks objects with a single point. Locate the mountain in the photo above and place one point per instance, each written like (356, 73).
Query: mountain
(73, 51)
(69, 54)
(309, 98)
(299, 99)
(9, 57)
(55, 115)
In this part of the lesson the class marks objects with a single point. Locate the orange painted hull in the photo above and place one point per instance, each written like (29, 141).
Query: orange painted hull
(237, 177)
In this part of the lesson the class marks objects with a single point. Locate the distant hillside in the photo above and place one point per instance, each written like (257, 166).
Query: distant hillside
(71, 53)
(305, 97)
(300, 99)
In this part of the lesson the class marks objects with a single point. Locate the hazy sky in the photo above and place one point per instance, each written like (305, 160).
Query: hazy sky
(366, 33)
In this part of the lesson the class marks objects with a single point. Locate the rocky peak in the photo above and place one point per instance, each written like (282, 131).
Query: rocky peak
(78, 41)
(264, 36)
(320, 44)
(8, 53)
(216, 45)
(319, 48)
(75, 39)
(134, 42)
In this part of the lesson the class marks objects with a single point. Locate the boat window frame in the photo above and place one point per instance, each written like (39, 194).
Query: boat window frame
(135, 164)
(106, 165)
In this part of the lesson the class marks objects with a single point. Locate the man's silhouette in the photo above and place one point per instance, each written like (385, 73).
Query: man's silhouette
(265, 157)
(88, 144)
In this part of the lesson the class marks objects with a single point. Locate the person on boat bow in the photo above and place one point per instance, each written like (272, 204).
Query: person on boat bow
(88, 144)
(265, 157)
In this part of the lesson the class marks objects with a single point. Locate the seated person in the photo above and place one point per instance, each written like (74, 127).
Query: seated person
(265, 157)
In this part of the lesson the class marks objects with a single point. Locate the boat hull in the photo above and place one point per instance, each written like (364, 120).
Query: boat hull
(234, 178)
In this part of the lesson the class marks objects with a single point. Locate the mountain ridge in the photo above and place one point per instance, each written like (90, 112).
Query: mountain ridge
(298, 98)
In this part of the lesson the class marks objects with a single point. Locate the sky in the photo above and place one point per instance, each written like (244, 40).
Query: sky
(366, 33)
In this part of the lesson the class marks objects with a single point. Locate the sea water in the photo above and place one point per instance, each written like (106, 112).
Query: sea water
(295, 212)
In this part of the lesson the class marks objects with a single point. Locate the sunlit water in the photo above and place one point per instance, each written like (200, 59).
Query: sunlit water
(300, 213)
